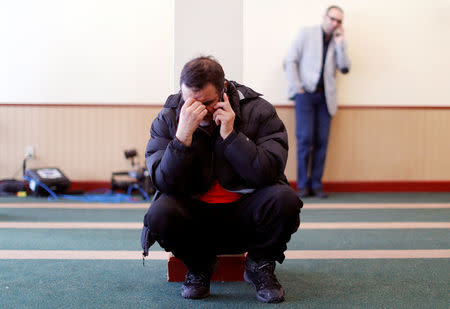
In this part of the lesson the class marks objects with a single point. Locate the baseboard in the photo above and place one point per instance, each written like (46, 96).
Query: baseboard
(383, 186)
(328, 186)
(89, 185)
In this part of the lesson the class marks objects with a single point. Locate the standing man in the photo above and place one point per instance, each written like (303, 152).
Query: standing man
(310, 66)
(216, 156)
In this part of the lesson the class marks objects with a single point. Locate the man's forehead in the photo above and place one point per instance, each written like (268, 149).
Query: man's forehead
(335, 13)
(207, 92)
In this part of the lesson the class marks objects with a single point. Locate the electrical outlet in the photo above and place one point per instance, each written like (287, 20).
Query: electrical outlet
(29, 152)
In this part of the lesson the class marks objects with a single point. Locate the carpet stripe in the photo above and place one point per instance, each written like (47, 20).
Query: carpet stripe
(56, 205)
(377, 206)
(368, 254)
(76, 205)
(72, 225)
(373, 225)
(162, 255)
(303, 226)
(81, 255)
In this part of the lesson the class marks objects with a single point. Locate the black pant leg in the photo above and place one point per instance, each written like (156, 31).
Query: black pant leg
(260, 223)
(179, 225)
(269, 216)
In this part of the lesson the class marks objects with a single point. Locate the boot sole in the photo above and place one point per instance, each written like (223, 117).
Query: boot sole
(196, 296)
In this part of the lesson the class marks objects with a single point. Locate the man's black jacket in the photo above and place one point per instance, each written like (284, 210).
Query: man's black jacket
(254, 155)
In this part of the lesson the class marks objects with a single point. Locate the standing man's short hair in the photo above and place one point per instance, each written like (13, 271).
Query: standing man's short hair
(334, 7)
(200, 71)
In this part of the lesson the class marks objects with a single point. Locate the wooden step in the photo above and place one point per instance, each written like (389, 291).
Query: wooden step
(230, 268)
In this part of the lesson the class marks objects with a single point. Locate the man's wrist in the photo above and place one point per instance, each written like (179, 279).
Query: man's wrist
(225, 135)
(229, 138)
(185, 140)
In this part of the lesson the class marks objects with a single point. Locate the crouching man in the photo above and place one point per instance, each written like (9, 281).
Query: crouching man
(216, 156)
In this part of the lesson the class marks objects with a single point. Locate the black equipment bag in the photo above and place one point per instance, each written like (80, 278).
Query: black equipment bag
(51, 177)
(11, 186)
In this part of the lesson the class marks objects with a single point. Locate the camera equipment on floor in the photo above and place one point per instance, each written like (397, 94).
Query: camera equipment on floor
(42, 179)
(136, 179)
(11, 187)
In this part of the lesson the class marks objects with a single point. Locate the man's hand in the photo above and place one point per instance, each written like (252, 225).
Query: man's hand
(339, 35)
(191, 115)
(224, 116)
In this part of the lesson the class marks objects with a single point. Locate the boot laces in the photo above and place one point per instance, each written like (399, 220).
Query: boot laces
(267, 277)
(200, 278)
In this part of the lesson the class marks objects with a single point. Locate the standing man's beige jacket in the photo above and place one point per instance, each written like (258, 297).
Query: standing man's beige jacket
(303, 65)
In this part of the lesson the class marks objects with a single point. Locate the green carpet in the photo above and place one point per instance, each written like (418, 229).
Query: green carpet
(307, 215)
(85, 239)
(397, 197)
(385, 197)
(356, 283)
(308, 284)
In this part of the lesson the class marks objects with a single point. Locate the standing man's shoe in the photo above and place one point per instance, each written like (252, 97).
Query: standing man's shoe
(261, 275)
(303, 192)
(196, 284)
(319, 193)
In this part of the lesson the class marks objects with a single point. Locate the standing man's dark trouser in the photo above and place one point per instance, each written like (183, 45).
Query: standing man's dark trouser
(260, 223)
(312, 130)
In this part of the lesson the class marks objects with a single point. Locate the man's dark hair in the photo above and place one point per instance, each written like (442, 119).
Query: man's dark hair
(200, 71)
(334, 7)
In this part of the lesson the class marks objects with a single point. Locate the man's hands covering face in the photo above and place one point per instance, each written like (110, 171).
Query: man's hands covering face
(224, 116)
(191, 115)
(193, 112)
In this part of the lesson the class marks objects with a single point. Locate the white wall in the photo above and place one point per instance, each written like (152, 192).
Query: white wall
(117, 51)
(86, 51)
(205, 27)
(399, 49)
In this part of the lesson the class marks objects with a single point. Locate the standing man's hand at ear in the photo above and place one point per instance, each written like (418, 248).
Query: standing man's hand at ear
(224, 116)
(339, 35)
